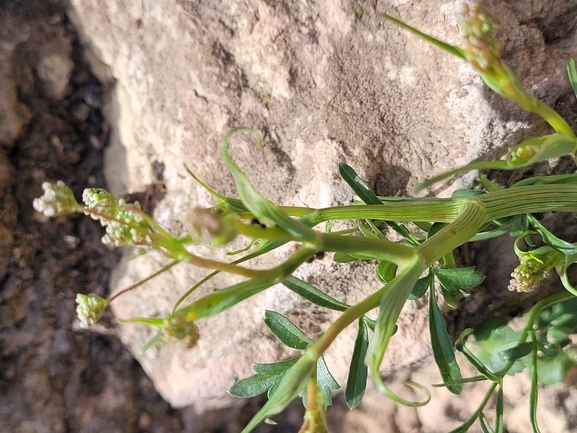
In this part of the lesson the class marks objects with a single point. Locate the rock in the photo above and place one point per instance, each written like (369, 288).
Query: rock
(324, 83)
(13, 114)
(54, 70)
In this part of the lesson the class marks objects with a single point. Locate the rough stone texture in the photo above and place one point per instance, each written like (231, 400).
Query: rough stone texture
(324, 82)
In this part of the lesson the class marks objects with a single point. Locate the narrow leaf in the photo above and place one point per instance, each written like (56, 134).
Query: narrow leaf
(420, 288)
(534, 396)
(286, 331)
(550, 239)
(517, 352)
(260, 207)
(499, 408)
(312, 294)
(150, 343)
(572, 73)
(361, 189)
(442, 347)
(440, 44)
(357, 380)
(485, 426)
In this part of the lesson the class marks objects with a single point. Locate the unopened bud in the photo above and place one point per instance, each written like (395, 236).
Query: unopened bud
(181, 332)
(210, 226)
(57, 200)
(90, 308)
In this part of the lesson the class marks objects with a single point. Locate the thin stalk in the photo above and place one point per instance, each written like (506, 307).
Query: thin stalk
(553, 118)
(141, 282)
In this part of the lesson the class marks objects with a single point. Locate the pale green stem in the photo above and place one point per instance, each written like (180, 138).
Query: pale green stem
(529, 199)
(553, 118)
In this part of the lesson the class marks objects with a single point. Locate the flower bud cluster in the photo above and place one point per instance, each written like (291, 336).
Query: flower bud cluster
(90, 308)
(57, 200)
(527, 276)
(481, 47)
(123, 225)
(180, 332)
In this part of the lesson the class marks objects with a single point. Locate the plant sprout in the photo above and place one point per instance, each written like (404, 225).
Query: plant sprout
(408, 269)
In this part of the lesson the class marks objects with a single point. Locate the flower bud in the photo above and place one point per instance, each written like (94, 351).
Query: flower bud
(533, 267)
(123, 225)
(210, 226)
(527, 276)
(90, 308)
(180, 331)
(57, 200)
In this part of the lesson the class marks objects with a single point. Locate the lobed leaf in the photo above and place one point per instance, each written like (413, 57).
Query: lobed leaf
(456, 279)
(267, 375)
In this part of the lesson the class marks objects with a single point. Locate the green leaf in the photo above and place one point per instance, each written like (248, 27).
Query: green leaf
(290, 386)
(493, 338)
(286, 331)
(550, 239)
(325, 381)
(456, 51)
(386, 271)
(394, 296)
(344, 258)
(312, 294)
(260, 207)
(267, 375)
(150, 343)
(552, 370)
(485, 426)
(360, 188)
(572, 73)
(420, 288)
(435, 228)
(457, 279)
(357, 380)
(517, 352)
(442, 348)
(466, 193)
(499, 409)
(231, 204)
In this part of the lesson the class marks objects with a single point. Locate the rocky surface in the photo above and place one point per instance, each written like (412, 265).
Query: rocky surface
(324, 82)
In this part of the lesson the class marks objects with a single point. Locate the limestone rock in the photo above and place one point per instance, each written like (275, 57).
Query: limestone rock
(324, 82)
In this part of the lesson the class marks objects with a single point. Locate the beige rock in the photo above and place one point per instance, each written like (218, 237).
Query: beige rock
(324, 82)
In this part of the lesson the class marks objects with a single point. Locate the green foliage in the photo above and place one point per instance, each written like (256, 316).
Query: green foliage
(430, 229)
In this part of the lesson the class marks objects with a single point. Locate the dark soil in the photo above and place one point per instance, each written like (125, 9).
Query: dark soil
(55, 377)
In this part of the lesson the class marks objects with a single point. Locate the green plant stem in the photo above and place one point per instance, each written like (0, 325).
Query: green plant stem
(412, 209)
(223, 299)
(141, 282)
(552, 118)
(529, 199)
(470, 221)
